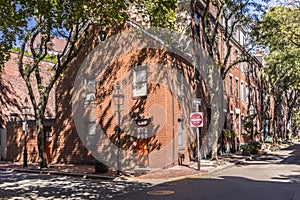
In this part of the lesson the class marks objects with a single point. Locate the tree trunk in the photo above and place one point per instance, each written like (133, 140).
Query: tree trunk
(214, 83)
(41, 142)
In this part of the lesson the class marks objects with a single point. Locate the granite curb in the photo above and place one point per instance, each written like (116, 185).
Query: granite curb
(45, 172)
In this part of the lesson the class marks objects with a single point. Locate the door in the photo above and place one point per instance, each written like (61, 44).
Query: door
(48, 143)
(142, 151)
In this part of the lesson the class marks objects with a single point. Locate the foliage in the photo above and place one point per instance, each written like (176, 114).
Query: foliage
(279, 33)
(244, 132)
(248, 124)
(49, 57)
(32, 24)
(269, 140)
(229, 134)
(230, 16)
(251, 148)
(218, 22)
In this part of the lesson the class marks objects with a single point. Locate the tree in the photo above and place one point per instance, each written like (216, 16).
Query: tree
(22, 22)
(279, 32)
(219, 21)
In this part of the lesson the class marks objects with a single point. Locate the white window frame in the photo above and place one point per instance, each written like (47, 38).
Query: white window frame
(242, 91)
(91, 135)
(180, 85)
(180, 133)
(90, 89)
(237, 89)
(140, 84)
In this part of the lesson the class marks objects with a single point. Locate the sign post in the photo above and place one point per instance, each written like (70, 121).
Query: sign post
(196, 120)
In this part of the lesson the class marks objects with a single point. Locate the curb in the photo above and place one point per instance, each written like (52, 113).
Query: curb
(79, 175)
(103, 177)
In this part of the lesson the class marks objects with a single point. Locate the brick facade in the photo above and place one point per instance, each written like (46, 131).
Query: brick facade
(13, 94)
(164, 109)
(15, 141)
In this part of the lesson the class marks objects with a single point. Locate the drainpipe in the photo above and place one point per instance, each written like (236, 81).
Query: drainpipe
(173, 112)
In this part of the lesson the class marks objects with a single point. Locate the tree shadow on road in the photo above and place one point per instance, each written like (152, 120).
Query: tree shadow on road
(35, 186)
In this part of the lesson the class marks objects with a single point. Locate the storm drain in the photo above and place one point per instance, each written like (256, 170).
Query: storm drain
(160, 192)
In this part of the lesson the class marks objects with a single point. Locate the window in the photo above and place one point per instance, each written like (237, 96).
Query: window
(197, 26)
(250, 68)
(180, 84)
(242, 91)
(224, 48)
(90, 89)
(247, 93)
(242, 38)
(236, 54)
(230, 85)
(140, 77)
(235, 32)
(237, 87)
(243, 67)
(180, 133)
(48, 133)
(91, 135)
(231, 121)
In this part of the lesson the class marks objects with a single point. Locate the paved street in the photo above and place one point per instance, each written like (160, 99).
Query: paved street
(15, 185)
(275, 176)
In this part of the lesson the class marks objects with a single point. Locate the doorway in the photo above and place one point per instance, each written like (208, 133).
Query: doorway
(48, 143)
(142, 153)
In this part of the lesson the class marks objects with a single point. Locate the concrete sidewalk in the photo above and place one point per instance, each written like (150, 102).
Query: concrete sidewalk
(141, 174)
(154, 176)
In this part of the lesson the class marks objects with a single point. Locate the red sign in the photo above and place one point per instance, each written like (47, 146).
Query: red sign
(196, 119)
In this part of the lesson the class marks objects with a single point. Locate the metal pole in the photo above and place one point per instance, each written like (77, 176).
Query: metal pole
(198, 148)
(25, 143)
(198, 138)
(119, 134)
(252, 128)
(173, 112)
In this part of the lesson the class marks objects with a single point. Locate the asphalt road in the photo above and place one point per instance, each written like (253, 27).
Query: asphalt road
(15, 185)
(275, 176)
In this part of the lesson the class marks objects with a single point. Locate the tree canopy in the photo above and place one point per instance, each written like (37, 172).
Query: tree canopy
(279, 33)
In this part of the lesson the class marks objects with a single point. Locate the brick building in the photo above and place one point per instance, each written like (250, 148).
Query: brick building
(158, 87)
(13, 94)
(164, 135)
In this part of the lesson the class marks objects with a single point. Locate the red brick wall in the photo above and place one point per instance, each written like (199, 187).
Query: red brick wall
(67, 145)
(16, 141)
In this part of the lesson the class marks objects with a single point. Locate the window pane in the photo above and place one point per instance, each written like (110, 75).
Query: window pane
(180, 133)
(180, 84)
(230, 86)
(140, 81)
(90, 89)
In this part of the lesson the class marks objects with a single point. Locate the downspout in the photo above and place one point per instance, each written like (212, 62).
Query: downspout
(173, 112)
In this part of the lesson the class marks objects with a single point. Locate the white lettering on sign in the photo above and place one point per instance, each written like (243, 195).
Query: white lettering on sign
(196, 119)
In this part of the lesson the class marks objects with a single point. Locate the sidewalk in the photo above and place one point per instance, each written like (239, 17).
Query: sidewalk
(143, 175)
(82, 171)
(154, 176)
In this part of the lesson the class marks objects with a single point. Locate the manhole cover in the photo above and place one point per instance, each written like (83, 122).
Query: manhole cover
(160, 192)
